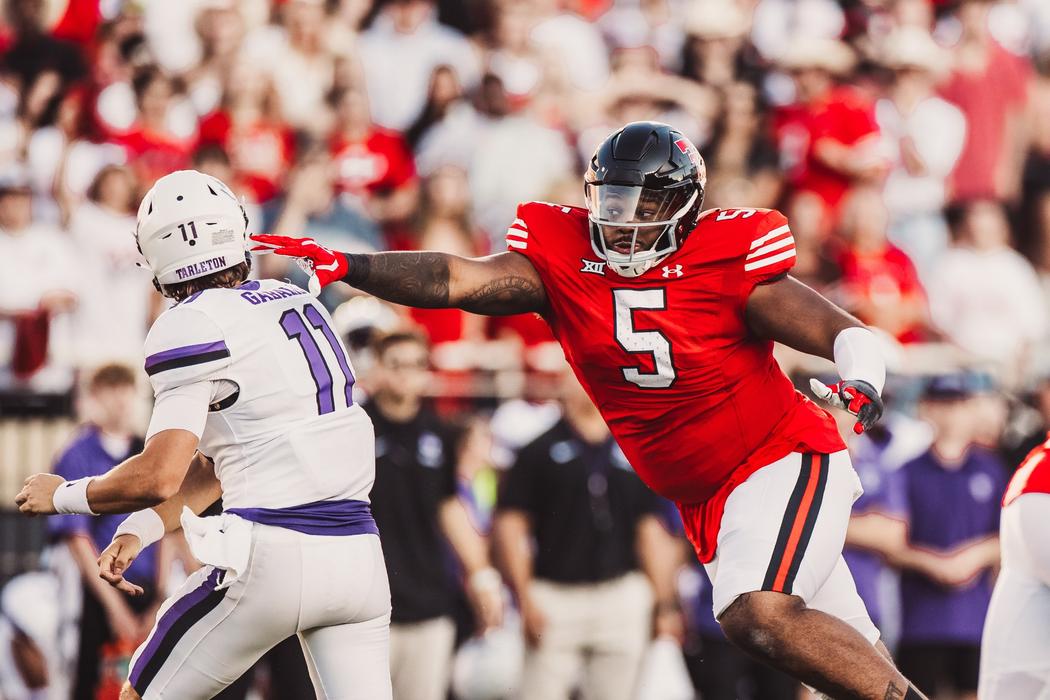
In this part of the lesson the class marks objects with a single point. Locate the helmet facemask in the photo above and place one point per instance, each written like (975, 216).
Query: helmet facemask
(622, 217)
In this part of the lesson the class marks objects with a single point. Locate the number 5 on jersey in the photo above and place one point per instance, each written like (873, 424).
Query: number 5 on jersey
(626, 301)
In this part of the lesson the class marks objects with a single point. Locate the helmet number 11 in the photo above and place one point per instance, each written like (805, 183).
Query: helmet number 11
(653, 342)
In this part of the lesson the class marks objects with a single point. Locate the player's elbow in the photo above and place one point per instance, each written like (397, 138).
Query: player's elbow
(162, 485)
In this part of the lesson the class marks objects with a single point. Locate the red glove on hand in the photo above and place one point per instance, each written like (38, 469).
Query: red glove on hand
(325, 265)
(854, 395)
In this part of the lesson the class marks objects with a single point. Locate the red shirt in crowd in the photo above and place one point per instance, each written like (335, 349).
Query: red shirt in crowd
(260, 152)
(845, 116)
(885, 279)
(987, 98)
(379, 163)
(153, 154)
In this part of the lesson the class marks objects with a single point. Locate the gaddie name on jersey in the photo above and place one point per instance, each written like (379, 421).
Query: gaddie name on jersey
(280, 293)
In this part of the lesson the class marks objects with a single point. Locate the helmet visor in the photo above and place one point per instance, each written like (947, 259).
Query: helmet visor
(630, 205)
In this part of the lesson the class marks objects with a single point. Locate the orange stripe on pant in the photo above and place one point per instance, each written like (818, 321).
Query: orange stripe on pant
(799, 523)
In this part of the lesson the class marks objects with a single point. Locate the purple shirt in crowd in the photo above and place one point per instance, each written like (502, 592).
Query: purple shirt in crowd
(945, 508)
(881, 495)
(85, 456)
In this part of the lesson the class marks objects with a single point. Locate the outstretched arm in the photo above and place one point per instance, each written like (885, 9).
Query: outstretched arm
(497, 285)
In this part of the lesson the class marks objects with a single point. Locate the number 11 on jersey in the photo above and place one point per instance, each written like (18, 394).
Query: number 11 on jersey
(296, 329)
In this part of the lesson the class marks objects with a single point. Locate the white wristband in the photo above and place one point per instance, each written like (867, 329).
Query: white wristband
(71, 497)
(858, 355)
(487, 579)
(144, 524)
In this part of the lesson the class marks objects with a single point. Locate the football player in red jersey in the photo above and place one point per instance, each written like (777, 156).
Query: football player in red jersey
(667, 315)
(1015, 649)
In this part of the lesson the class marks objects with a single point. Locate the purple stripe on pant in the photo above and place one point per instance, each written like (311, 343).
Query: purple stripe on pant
(178, 609)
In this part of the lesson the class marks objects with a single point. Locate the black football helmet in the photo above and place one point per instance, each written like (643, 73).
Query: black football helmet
(645, 179)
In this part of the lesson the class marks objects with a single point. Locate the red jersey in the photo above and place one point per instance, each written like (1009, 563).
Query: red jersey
(844, 116)
(261, 152)
(1033, 476)
(379, 163)
(696, 402)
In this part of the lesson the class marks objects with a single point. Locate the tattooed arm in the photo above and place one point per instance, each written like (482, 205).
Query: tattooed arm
(497, 285)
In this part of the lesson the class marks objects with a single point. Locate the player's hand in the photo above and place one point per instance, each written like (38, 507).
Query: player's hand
(853, 395)
(668, 622)
(37, 495)
(533, 621)
(115, 560)
(322, 263)
(485, 593)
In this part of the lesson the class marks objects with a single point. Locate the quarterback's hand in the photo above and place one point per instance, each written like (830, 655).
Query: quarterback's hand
(324, 264)
(853, 395)
(115, 560)
(38, 493)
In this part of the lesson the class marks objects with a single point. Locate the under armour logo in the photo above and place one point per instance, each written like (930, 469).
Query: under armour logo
(669, 271)
(595, 266)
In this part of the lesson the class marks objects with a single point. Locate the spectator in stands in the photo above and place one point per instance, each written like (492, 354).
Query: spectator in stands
(951, 498)
(416, 507)
(877, 527)
(111, 623)
(248, 127)
(398, 54)
(156, 144)
(990, 85)
(117, 299)
(878, 282)
(373, 165)
(984, 296)
(220, 29)
(573, 43)
(35, 56)
(298, 62)
(716, 50)
(741, 159)
(923, 135)
(37, 292)
(585, 603)
(444, 94)
(828, 139)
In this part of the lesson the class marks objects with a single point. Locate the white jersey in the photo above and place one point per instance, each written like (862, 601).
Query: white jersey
(281, 425)
(1015, 648)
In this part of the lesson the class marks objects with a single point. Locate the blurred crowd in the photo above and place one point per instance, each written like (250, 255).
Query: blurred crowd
(908, 142)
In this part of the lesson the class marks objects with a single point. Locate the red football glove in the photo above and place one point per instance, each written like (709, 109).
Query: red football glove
(323, 264)
(854, 395)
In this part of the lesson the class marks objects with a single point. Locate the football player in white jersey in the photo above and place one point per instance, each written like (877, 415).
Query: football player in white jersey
(253, 403)
(1015, 648)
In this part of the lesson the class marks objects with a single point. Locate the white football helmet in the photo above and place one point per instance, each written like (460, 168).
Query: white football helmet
(190, 225)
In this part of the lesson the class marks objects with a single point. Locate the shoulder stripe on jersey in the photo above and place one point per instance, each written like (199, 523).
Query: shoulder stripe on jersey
(765, 262)
(770, 247)
(770, 236)
(517, 232)
(186, 356)
(514, 243)
(521, 224)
